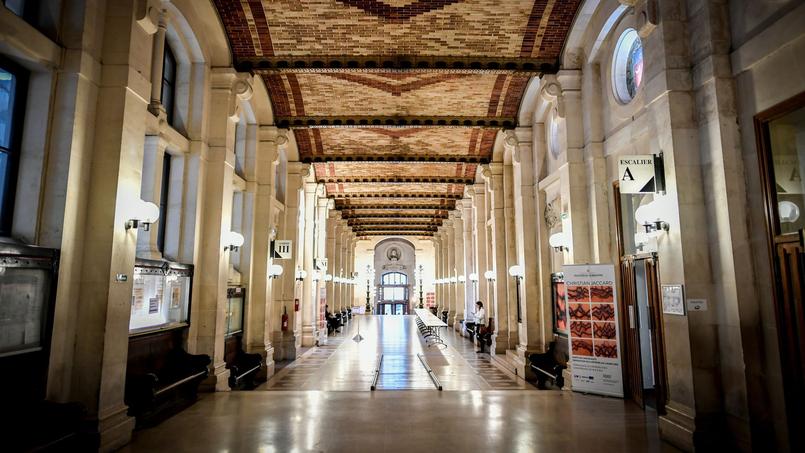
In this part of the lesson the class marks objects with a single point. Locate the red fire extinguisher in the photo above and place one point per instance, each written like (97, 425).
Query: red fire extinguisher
(296, 305)
(284, 319)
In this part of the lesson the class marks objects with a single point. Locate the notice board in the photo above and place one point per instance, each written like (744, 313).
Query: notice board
(595, 355)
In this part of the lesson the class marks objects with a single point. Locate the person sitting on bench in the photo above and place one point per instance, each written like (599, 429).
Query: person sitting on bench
(480, 325)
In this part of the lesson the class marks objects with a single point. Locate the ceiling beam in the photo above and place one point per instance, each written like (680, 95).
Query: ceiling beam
(420, 63)
(493, 122)
(397, 179)
(423, 158)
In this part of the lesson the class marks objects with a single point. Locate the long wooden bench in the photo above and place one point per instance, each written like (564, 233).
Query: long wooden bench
(549, 366)
(245, 369)
(161, 377)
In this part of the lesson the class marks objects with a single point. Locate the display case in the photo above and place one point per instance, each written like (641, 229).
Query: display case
(235, 303)
(160, 296)
(27, 280)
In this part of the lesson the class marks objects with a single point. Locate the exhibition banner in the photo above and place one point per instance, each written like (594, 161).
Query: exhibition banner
(590, 301)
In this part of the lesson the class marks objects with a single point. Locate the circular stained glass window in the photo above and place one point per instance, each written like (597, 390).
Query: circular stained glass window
(627, 66)
(555, 148)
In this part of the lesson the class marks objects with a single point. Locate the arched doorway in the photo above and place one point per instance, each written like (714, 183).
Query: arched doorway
(394, 294)
(395, 261)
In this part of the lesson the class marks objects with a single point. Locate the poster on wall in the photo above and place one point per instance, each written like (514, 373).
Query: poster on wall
(594, 333)
(559, 304)
(322, 305)
(430, 299)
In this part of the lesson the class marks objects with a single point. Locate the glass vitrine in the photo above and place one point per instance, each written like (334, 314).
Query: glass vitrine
(160, 296)
(235, 301)
(27, 277)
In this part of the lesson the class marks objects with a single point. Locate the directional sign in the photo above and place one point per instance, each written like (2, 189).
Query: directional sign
(282, 249)
(637, 174)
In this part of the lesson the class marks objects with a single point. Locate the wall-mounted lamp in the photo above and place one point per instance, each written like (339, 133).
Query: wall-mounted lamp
(788, 211)
(301, 274)
(473, 277)
(453, 280)
(489, 276)
(650, 216)
(274, 271)
(316, 275)
(235, 240)
(516, 271)
(462, 279)
(145, 213)
(328, 278)
(559, 242)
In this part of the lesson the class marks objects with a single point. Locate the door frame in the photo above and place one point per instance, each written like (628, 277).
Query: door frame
(786, 331)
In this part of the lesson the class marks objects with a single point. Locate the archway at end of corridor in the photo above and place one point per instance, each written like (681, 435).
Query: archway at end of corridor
(394, 277)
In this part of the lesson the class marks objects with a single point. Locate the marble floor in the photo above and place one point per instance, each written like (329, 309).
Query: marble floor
(322, 403)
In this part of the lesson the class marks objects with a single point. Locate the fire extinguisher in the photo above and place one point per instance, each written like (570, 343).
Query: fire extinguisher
(284, 319)
(296, 305)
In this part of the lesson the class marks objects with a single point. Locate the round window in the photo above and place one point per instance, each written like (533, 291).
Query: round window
(553, 130)
(627, 66)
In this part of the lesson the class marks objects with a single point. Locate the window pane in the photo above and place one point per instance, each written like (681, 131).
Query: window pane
(7, 87)
(3, 179)
(787, 137)
(16, 6)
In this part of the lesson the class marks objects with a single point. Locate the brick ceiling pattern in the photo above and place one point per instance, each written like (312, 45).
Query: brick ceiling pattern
(299, 98)
(465, 144)
(395, 102)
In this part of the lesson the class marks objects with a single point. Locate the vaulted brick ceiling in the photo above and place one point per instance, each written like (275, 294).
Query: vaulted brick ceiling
(396, 101)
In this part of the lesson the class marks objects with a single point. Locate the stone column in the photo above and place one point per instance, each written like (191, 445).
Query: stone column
(511, 255)
(437, 251)
(110, 169)
(207, 327)
(470, 288)
(259, 172)
(308, 301)
(350, 244)
(479, 245)
(157, 62)
(494, 181)
(450, 271)
(459, 298)
(530, 337)
(338, 260)
(331, 250)
(151, 190)
(286, 287)
(322, 205)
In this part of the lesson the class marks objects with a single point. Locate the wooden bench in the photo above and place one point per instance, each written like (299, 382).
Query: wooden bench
(161, 377)
(549, 365)
(245, 369)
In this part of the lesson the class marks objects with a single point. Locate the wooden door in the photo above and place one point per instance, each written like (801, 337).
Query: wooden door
(790, 269)
(657, 334)
(632, 375)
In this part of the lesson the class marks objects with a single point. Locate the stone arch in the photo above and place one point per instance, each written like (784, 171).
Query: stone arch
(395, 254)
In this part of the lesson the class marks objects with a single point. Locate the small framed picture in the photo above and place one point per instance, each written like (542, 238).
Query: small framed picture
(673, 300)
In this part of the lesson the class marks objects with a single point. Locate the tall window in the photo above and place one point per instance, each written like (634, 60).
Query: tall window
(12, 98)
(169, 83)
(163, 202)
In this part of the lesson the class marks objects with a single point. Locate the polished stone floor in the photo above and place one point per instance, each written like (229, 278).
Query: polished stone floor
(326, 406)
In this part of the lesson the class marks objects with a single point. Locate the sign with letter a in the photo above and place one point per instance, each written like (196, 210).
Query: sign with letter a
(637, 174)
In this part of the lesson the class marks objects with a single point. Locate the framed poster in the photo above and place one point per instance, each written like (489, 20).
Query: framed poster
(559, 304)
(594, 339)
(673, 300)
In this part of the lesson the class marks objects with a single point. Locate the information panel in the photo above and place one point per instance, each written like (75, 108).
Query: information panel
(595, 356)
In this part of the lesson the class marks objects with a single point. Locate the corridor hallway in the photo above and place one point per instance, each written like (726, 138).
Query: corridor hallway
(323, 402)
